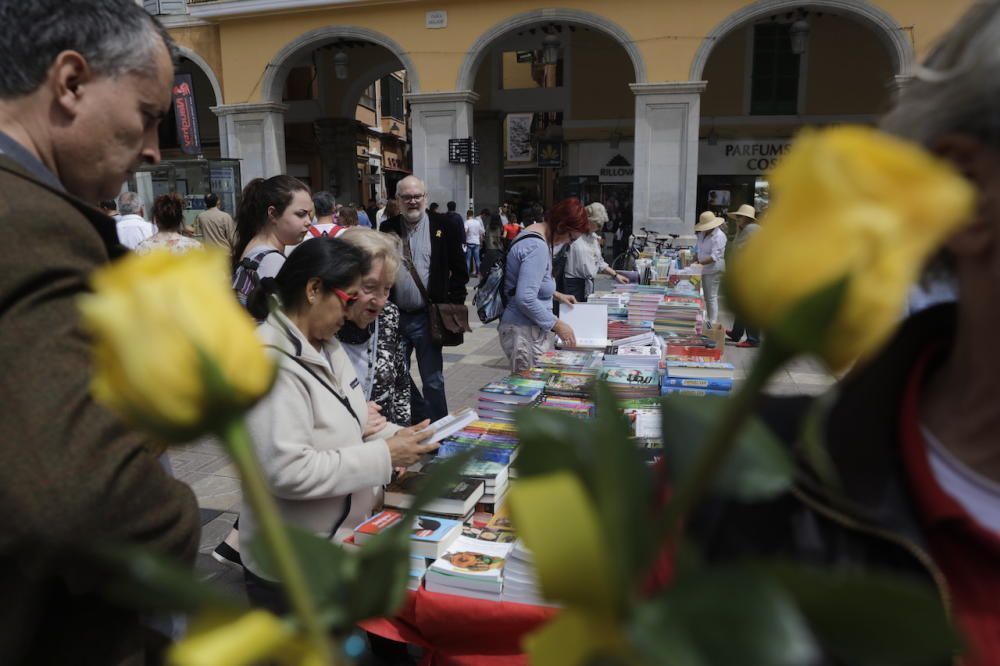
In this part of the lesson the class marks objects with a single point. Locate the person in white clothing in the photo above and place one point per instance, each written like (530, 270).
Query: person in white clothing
(585, 258)
(711, 254)
(324, 450)
(132, 226)
(475, 227)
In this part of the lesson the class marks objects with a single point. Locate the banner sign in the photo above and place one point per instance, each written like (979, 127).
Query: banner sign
(550, 154)
(187, 115)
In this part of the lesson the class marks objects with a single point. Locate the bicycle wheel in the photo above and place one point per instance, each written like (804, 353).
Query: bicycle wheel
(623, 262)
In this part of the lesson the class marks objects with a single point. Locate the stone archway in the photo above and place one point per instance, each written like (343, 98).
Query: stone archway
(479, 48)
(205, 68)
(891, 34)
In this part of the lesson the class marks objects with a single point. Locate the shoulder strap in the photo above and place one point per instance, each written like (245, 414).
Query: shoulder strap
(408, 256)
(316, 233)
(530, 234)
(305, 366)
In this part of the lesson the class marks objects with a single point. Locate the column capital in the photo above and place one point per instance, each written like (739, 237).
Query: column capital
(669, 88)
(252, 107)
(443, 97)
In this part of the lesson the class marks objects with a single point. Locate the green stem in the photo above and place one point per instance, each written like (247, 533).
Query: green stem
(721, 440)
(289, 569)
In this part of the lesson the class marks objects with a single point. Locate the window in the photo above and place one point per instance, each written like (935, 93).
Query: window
(162, 7)
(774, 81)
(368, 97)
(392, 98)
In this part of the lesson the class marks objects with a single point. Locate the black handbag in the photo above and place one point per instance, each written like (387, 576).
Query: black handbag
(449, 322)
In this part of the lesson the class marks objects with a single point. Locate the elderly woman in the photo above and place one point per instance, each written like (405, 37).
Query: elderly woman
(528, 322)
(711, 254)
(323, 459)
(370, 335)
(585, 257)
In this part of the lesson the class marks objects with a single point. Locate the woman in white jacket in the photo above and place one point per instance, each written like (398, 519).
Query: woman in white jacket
(325, 455)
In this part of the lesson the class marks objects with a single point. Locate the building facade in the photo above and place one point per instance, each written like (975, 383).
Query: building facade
(659, 109)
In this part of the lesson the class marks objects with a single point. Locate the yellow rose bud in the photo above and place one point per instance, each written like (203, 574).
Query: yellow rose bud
(155, 320)
(848, 202)
(247, 639)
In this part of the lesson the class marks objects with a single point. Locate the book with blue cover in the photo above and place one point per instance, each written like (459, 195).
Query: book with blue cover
(707, 383)
(667, 390)
(480, 451)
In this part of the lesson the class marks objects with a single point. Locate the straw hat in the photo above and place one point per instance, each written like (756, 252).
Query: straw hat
(708, 221)
(746, 210)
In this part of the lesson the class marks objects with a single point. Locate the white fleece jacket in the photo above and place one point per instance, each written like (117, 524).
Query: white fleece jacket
(325, 477)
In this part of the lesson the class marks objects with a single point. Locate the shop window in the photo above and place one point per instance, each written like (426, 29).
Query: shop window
(368, 97)
(524, 69)
(774, 84)
(392, 98)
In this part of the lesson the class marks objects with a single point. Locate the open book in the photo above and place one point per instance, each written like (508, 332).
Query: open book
(447, 426)
(589, 322)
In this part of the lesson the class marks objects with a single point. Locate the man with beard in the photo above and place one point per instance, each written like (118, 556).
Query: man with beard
(434, 250)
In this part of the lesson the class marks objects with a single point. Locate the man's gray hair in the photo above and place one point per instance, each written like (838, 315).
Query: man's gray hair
(957, 89)
(129, 203)
(116, 37)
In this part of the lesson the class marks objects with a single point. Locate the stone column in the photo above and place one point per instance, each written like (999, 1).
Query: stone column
(435, 118)
(255, 134)
(666, 155)
(337, 140)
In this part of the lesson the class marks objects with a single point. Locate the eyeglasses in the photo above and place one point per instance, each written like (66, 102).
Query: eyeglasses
(347, 300)
(411, 197)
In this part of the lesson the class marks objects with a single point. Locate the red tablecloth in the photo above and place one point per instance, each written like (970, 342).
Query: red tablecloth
(458, 631)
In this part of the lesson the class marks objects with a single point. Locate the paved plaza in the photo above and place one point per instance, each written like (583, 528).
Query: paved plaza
(205, 466)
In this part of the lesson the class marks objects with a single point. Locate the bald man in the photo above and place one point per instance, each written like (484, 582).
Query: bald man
(438, 261)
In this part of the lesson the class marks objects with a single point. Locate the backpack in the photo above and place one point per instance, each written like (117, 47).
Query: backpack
(490, 299)
(245, 277)
(332, 233)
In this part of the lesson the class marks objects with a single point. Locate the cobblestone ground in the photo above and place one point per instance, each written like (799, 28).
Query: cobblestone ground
(478, 361)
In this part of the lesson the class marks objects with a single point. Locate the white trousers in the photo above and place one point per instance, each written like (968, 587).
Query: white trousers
(710, 287)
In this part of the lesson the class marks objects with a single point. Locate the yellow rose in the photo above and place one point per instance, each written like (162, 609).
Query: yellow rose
(224, 640)
(848, 202)
(155, 319)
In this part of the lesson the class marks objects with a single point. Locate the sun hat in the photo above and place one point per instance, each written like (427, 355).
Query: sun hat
(708, 221)
(746, 210)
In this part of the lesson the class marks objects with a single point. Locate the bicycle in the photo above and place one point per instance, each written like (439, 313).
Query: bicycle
(638, 244)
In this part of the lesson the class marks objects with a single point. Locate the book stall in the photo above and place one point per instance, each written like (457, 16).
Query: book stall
(475, 593)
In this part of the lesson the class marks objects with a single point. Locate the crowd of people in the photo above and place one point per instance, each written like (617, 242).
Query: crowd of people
(912, 432)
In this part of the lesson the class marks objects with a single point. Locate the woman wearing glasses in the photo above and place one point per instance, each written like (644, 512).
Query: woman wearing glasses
(323, 456)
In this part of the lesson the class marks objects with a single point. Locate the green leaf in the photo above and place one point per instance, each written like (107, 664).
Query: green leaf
(553, 442)
(812, 442)
(622, 487)
(720, 617)
(806, 325)
(874, 619)
(145, 580)
(759, 467)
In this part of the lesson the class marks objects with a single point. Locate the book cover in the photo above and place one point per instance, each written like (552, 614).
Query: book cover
(714, 384)
(455, 500)
(450, 448)
(630, 376)
(470, 560)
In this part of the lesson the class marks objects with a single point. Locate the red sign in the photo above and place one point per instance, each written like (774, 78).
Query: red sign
(187, 115)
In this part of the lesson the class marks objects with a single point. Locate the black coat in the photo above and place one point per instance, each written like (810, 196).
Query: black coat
(449, 274)
(874, 523)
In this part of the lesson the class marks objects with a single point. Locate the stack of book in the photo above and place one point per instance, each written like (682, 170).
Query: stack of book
(489, 440)
(630, 383)
(569, 360)
(644, 421)
(520, 580)
(430, 537)
(642, 307)
(686, 280)
(623, 330)
(457, 501)
(681, 315)
(581, 407)
(470, 568)
(691, 348)
(494, 475)
(698, 378)
(499, 401)
(642, 358)
(572, 383)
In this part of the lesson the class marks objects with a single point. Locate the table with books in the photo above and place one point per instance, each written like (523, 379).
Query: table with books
(474, 593)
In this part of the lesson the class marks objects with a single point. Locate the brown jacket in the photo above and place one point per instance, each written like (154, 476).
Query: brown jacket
(71, 474)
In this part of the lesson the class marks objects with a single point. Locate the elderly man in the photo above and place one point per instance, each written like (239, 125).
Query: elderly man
(216, 225)
(914, 433)
(83, 89)
(132, 225)
(433, 251)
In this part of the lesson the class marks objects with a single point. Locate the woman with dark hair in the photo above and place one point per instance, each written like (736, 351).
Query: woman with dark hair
(323, 460)
(168, 216)
(528, 321)
(273, 213)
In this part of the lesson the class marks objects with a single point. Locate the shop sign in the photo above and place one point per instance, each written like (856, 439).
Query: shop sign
(550, 154)
(617, 170)
(187, 114)
(741, 157)
(437, 19)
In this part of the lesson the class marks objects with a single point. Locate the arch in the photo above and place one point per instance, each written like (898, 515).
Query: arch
(474, 56)
(882, 24)
(277, 69)
(206, 69)
(362, 81)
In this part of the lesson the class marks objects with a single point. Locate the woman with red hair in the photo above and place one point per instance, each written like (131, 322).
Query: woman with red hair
(528, 322)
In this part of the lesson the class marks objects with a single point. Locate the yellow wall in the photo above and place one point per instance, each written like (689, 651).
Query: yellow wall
(602, 71)
(203, 40)
(668, 33)
(726, 76)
